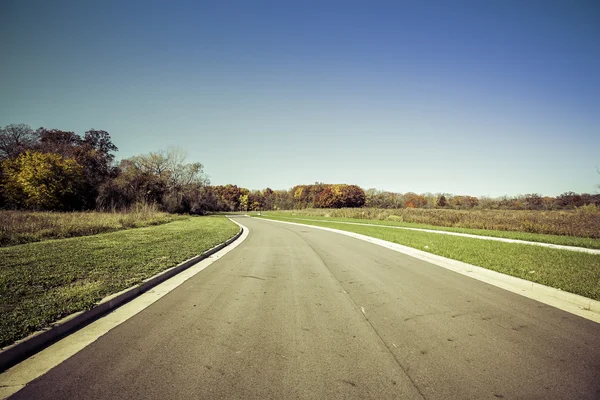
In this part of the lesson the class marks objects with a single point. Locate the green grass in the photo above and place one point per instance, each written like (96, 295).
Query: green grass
(532, 237)
(43, 282)
(19, 227)
(582, 222)
(570, 271)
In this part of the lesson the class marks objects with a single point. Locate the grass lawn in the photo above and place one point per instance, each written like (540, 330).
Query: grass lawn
(567, 270)
(532, 237)
(43, 282)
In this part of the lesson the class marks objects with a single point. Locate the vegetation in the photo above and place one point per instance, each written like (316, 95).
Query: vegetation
(567, 270)
(42, 180)
(328, 196)
(51, 169)
(43, 282)
(590, 243)
(162, 178)
(54, 170)
(19, 227)
(583, 222)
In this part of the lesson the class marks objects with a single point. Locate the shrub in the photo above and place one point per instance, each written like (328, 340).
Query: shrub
(43, 181)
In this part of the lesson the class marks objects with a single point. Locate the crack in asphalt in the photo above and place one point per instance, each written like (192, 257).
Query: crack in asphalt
(363, 314)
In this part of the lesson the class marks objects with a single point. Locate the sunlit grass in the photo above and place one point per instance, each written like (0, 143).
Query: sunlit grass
(588, 242)
(571, 271)
(43, 282)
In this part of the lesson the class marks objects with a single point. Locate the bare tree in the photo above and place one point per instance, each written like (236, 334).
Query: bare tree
(182, 174)
(171, 166)
(154, 163)
(15, 139)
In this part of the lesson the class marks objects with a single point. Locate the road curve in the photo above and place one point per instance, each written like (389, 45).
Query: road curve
(296, 312)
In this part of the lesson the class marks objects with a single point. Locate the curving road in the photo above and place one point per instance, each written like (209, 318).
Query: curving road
(296, 312)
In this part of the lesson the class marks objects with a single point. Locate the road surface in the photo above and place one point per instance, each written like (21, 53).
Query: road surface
(296, 312)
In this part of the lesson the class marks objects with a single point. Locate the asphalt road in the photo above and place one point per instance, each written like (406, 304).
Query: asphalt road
(296, 312)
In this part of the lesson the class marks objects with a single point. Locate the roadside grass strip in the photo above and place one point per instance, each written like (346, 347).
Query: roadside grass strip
(43, 282)
(573, 241)
(551, 245)
(573, 272)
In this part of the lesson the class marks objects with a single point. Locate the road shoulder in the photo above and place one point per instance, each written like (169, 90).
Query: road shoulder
(572, 303)
(125, 305)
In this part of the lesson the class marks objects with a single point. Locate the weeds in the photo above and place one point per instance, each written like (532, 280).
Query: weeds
(19, 227)
(582, 222)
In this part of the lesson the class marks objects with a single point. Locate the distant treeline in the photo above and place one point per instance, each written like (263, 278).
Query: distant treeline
(51, 169)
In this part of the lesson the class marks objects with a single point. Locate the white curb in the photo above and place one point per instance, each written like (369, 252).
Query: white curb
(497, 239)
(572, 303)
(23, 348)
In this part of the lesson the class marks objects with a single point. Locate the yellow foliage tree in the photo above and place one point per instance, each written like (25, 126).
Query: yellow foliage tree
(42, 181)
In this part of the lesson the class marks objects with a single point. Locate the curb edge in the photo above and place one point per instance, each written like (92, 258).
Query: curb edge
(570, 302)
(26, 347)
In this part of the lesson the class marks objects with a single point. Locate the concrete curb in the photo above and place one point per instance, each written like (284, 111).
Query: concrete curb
(467, 235)
(30, 345)
(566, 301)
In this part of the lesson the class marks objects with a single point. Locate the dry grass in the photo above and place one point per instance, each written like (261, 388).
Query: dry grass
(19, 227)
(582, 222)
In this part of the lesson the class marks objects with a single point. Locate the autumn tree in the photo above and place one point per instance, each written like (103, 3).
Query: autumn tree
(282, 200)
(413, 200)
(533, 201)
(94, 152)
(464, 202)
(300, 194)
(268, 198)
(42, 181)
(256, 200)
(229, 197)
(570, 200)
(441, 201)
(338, 196)
(244, 202)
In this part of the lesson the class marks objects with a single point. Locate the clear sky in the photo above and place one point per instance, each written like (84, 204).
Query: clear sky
(467, 97)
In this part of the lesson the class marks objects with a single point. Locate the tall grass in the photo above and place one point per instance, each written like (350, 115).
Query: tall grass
(18, 227)
(581, 222)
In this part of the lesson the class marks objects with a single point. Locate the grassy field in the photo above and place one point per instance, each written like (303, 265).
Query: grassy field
(18, 227)
(567, 270)
(589, 242)
(43, 282)
(583, 222)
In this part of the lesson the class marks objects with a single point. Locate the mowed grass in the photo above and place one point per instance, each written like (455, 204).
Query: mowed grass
(18, 227)
(570, 271)
(587, 242)
(43, 282)
(583, 222)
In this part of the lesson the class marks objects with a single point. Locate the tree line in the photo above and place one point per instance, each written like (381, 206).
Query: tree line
(52, 169)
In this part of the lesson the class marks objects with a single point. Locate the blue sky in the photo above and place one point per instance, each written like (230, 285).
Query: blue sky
(466, 97)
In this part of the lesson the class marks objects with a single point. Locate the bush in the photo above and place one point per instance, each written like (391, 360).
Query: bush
(43, 181)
